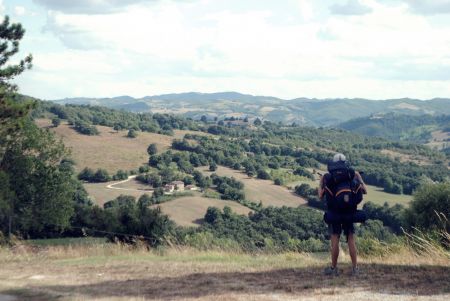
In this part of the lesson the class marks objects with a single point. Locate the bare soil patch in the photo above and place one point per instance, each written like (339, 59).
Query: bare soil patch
(260, 190)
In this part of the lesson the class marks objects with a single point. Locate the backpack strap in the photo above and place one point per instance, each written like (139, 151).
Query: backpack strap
(327, 189)
(342, 191)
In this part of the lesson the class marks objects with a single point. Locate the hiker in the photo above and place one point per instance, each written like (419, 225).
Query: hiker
(342, 187)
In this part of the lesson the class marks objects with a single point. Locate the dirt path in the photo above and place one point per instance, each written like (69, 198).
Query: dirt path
(7, 298)
(111, 186)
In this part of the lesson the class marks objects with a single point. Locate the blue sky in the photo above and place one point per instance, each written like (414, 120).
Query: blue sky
(374, 49)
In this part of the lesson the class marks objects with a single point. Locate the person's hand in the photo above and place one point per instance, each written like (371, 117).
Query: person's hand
(320, 189)
(358, 176)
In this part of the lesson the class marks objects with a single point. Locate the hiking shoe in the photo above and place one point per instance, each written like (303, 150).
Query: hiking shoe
(330, 271)
(355, 271)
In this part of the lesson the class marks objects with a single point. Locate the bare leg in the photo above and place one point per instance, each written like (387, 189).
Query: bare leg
(352, 249)
(334, 249)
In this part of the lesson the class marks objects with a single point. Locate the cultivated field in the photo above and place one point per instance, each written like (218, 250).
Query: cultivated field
(190, 210)
(110, 150)
(260, 190)
(112, 272)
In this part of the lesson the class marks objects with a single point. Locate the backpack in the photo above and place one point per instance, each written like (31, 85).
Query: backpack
(343, 192)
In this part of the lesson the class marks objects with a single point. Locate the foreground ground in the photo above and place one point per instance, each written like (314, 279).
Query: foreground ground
(107, 272)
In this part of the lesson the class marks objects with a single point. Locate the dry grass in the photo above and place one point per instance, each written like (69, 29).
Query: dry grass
(419, 160)
(439, 140)
(101, 194)
(261, 190)
(114, 272)
(374, 194)
(110, 150)
(190, 210)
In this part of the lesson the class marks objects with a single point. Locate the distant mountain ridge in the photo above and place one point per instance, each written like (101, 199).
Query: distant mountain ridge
(316, 112)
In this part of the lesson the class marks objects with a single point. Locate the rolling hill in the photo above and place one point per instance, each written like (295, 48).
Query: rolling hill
(317, 112)
(399, 127)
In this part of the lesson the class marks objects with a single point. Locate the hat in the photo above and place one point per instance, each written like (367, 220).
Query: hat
(338, 157)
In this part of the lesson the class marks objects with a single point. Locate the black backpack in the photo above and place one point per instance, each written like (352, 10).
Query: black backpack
(343, 192)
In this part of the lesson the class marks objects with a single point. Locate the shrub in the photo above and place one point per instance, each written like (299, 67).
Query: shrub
(132, 133)
(429, 201)
(263, 174)
(278, 181)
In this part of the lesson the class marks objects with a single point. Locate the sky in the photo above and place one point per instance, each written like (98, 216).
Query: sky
(376, 49)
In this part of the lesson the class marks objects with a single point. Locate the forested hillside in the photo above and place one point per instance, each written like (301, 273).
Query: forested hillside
(272, 146)
(305, 111)
(399, 127)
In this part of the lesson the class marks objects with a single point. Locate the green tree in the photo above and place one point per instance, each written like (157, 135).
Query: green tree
(12, 111)
(132, 133)
(87, 174)
(263, 174)
(429, 201)
(117, 127)
(56, 122)
(101, 175)
(278, 181)
(213, 166)
(152, 149)
(41, 189)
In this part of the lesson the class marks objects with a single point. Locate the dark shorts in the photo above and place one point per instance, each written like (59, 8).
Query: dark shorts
(338, 228)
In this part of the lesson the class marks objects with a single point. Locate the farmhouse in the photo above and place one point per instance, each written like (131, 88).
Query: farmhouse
(179, 185)
(169, 188)
(191, 187)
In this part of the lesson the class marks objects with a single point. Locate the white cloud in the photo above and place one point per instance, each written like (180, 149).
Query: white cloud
(430, 7)
(88, 6)
(19, 10)
(2, 9)
(351, 7)
(306, 9)
(166, 46)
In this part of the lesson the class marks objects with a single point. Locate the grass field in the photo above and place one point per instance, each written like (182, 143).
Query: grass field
(374, 194)
(111, 150)
(100, 193)
(114, 272)
(190, 210)
(184, 211)
(260, 190)
(439, 140)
